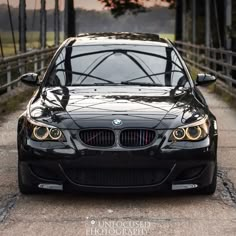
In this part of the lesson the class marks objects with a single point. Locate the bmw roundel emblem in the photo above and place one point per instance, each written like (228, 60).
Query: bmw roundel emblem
(117, 122)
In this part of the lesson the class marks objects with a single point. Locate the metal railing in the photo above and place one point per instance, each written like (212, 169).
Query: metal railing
(216, 61)
(12, 67)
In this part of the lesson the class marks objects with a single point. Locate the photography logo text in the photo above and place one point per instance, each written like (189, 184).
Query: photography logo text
(117, 228)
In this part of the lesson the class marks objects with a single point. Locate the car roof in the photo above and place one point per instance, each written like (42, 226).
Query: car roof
(118, 38)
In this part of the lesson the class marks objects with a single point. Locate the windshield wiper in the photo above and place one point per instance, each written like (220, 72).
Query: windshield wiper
(84, 74)
(141, 84)
(155, 74)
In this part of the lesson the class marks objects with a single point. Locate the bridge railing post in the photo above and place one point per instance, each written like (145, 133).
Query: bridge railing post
(42, 64)
(35, 62)
(9, 77)
(192, 50)
(205, 56)
(229, 60)
(21, 64)
(215, 59)
(198, 54)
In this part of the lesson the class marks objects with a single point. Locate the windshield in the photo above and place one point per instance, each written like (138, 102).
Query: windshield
(117, 65)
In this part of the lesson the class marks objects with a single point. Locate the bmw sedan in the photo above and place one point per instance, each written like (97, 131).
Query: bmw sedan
(117, 112)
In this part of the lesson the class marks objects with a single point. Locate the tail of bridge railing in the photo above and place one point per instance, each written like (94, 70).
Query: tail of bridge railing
(12, 67)
(216, 61)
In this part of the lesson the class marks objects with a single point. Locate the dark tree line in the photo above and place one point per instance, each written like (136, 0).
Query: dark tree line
(155, 19)
(120, 7)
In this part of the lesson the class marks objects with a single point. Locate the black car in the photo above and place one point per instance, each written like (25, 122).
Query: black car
(117, 112)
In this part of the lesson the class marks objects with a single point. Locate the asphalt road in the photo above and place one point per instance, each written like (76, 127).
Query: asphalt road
(77, 214)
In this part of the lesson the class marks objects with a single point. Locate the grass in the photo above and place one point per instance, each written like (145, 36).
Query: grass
(194, 72)
(171, 37)
(13, 103)
(32, 41)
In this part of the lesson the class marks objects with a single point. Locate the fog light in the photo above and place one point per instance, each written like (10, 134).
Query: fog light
(183, 186)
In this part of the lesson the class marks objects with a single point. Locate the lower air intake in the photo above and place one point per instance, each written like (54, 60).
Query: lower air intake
(116, 177)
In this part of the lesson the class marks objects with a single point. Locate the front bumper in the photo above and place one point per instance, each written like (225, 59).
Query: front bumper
(148, 170)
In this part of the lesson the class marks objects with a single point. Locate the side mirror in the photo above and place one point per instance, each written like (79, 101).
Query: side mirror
(205, 79)
(30, 79)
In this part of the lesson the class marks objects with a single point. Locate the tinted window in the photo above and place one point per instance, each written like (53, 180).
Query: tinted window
(87, 65)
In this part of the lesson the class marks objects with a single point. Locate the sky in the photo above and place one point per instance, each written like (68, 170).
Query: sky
(87, 4)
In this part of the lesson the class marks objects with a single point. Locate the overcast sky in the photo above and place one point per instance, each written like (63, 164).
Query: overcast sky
(87, 4)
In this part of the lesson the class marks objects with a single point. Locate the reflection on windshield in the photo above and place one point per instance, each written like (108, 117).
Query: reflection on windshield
(117, 65)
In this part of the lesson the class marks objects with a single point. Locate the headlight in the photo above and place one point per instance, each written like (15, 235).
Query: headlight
(41, 132)
(55, 133)
(192, 132)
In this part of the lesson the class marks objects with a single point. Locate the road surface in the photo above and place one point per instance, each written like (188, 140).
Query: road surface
(76, 214)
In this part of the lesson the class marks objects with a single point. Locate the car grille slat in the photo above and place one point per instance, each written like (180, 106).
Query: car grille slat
(97, 137)
(136, 137)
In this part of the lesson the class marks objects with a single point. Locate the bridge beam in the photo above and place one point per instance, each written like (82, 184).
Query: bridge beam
(194, 21)
(56, 24)
(69, 19)
(43, 24)
(22, 26)
(178, 21)
(228, 24)
(184, 24)
(207, 24)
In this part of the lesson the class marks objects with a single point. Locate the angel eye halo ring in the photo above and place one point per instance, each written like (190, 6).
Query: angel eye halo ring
(40, 132)
(55, 133)
(179, 133)
(193, 133)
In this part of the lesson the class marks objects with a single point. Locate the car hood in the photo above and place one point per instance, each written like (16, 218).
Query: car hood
(89, 107)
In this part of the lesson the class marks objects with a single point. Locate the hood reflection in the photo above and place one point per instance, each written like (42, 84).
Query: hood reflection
(158, 106)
